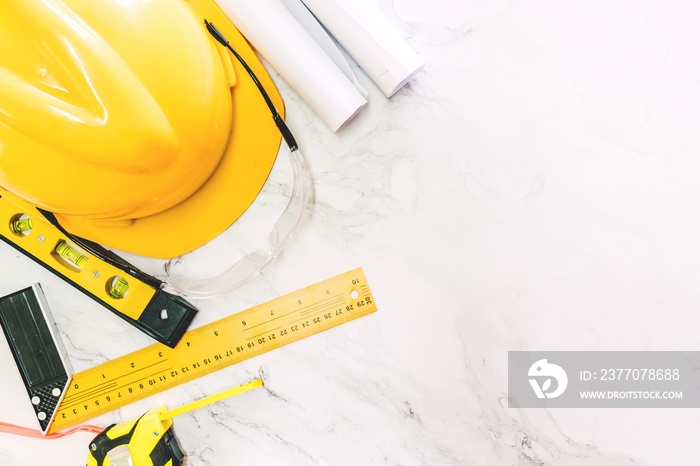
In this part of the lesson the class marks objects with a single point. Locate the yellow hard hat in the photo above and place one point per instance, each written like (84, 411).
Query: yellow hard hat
(128, 121)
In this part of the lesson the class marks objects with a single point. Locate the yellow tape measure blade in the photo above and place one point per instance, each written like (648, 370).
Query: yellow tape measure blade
(212, 399)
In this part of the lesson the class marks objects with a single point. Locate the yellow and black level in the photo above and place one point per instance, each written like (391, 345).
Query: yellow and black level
(220, 344)
(139, 302)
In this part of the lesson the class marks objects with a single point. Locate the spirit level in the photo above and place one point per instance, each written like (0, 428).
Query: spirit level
(220, 344)
(139, 303)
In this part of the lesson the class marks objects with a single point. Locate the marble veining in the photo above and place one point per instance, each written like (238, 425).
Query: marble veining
(534, 187)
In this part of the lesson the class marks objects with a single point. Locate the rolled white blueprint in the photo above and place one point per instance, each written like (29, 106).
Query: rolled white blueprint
(370, 38)
(316, 30)
(296, 56)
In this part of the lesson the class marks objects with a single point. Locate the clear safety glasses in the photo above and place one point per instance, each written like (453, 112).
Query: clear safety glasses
(247, 267)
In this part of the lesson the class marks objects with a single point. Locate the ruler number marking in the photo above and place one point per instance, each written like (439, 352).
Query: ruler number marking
(264, 333)
(364, 302)
(96, 389)
(128, 386)
(108, 387)
(321, 308)
(317, 308)
(89, 394)
(323, 302)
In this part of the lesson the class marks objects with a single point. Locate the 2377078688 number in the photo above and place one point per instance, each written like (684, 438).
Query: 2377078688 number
(639, 374)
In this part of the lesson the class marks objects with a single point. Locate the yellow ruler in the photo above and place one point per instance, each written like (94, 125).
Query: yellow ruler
(220, 344)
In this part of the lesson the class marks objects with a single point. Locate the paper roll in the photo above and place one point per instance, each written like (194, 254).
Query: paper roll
(320, 35)
(296, 56)
(370, 38)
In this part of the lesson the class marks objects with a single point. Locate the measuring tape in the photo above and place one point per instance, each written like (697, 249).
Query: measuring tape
(212, 347)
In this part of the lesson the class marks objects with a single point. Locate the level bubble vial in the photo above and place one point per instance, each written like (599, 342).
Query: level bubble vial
(117, 287)
(21, 224)
(71, 255)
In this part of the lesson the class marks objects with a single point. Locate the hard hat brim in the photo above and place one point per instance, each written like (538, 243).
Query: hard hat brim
(243, 170)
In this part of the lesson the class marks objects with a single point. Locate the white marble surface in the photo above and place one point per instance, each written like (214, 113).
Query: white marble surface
(536, 187)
